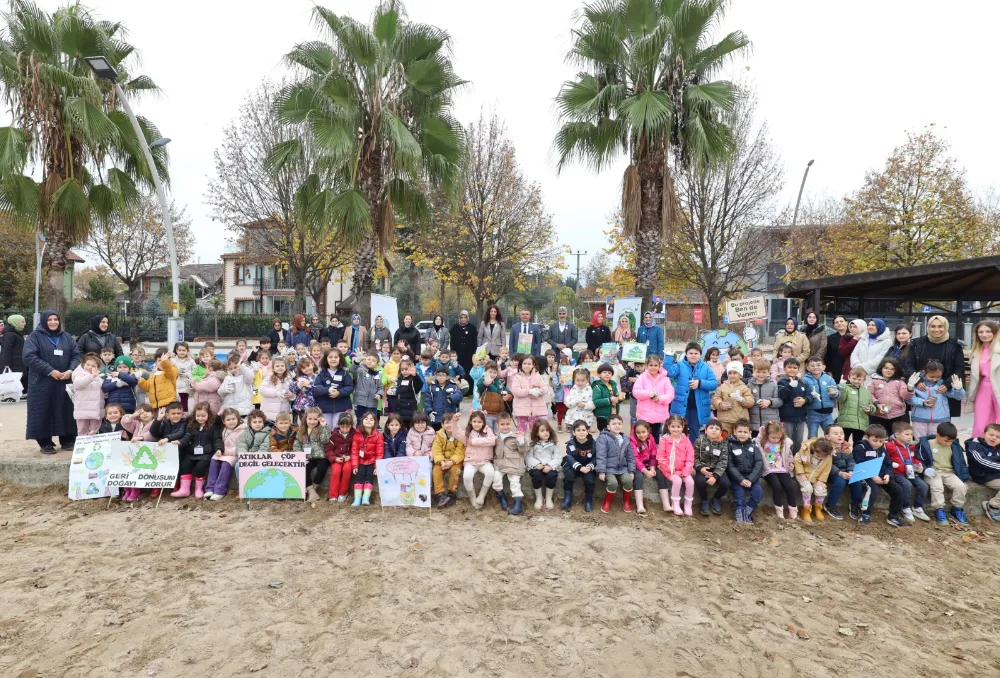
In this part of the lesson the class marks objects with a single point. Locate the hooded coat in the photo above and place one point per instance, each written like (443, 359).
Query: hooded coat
(93, 340)
(411, 335)
(12, 348)
(50, 411)
(597, 333)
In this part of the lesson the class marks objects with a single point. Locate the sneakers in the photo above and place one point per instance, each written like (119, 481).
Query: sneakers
(908, 515)
(958, 515)
(216, 497)
(920, 515)
(940, 517)
(833, 512)
(991, 513)
(855, 512)
(717, 507)
(864, 519)
(705, 510)
(896, 522)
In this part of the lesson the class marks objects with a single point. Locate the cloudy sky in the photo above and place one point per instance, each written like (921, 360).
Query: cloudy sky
(840, 82)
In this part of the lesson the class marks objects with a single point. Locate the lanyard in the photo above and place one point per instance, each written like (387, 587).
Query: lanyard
(54, 342)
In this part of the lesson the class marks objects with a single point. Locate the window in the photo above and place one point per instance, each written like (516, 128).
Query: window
(248, 306)
(246, 275)
(154, 285)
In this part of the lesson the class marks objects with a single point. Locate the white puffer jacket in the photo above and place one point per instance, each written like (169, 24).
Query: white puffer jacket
(237, 392)
(869, 355)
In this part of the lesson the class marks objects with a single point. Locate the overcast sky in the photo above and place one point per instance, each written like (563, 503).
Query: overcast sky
(840, 82)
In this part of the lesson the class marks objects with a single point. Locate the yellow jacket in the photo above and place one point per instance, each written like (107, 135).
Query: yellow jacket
(161, 385)
(815, 470)
(740, 410)
(257, 380)
(452, 450)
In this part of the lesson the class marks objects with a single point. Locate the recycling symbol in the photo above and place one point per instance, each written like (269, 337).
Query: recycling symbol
(144, 459)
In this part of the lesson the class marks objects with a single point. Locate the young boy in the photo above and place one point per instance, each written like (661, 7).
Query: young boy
(442, 399)
(449, 454)
(508, 460)
(425, 369)
(778, 366)
(711, 458)
(491, 390)
(120, 385)
(766, 403)
(984, 466)
(795, 397)
(906, 471)
(579, 462)
(855, 405)
(733, 398)
(872, 446)
(606, 397)
(840, 472)
(283, 349)
(348, 361)
(824, 393)
(930, 404)
(263, 345)
(368, 392)
(945, 466)
(107, 359)
(745, 467)
(615, 463)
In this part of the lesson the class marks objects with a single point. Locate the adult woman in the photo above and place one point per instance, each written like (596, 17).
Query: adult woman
(651, 335)
(816, 334)
(870, 349)
(857, 328)
(598, 333)
(901, 346)
(624, 331)
(984, 381)
(299, 333)
(51, 356)
(799, 341)
(278, 333)
(12, 348)
(940, 345)
(492, 331)
(409, 334)
(439, 333)
(98, 337)
(834, 361)
(316, 327)
(653, 393)
(463, 340)
(356, 335)
(378, 336)
(694, 383)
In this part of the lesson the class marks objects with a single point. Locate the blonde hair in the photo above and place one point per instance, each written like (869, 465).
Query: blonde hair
(858, 372)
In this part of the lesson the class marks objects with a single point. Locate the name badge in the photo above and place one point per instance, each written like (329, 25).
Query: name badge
(199, 450)
(308, 449)
(716, 453)
(871, 454)
(737, 452)
(572, 448)
(338, 377)
(58, 351)
(362, 454)
(405, 382)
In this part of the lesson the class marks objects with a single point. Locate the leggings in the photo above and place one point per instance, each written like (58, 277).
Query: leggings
(662, 482)
(196, 465)
(320, 466)
(524, 424)
(364, 477)
(722, 485)
(784, 489)
(538, 477)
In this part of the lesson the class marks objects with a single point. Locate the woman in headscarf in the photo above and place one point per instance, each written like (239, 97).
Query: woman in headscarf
(834, 361)
(12, 348)
(816, 334)
(870, 349)
(798, 340)
(492, 331)
(901, 346)
(598, 333)
(984, 380)
(624, 331)
(939, 345)
(299, 333)
(410, 334)
(98, 337)
(440, 333)
(651, 335)
(356, 335)
(463, 340)
(379, 334)
(857, 329)
(51, 356)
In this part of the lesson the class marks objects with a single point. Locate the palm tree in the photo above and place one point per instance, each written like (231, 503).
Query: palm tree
(646, 92)
(377, 102)
(71, 155)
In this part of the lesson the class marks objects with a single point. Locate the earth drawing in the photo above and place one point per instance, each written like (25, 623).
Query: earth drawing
(272, 483)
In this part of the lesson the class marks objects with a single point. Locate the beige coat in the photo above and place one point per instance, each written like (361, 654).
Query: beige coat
(740, 410)
(801, 348)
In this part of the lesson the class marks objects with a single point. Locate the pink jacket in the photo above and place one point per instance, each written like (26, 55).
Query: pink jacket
(270, 402)
(646, 409)
(139, 431)
(206, 390)
(683, 456)
(229, 439)
(645, 455)
(478, 447)
(89, 399)
(526, 405)
(892, 393)
(420, 444)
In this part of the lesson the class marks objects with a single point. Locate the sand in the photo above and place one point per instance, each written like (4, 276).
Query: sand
(281, 589)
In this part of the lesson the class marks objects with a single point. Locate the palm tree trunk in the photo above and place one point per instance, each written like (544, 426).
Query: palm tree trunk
(56, 253)
(363, 278)
(649, 235)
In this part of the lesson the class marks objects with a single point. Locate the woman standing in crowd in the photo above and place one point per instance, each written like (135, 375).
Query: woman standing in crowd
(798, 341)
(984, 380)
(98, 337)
(598, 333)
(870, 349)
(651, 335)
(51, 356)
(835, 361)
(624, 331)
(356, 336)
(492, 331)
(463, 340)
(900, 348)
(278, 333)
(937, 345)
(299, 333)
(408, 333)
(12, 349)
(439, 333)
(857, 329)
(816, 334)
(380, 334)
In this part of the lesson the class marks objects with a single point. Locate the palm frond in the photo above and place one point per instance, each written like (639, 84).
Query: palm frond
(13, 151)
(386, 24)
(70, 210)
(403, 145)
(128, 197)
(713, 95)
(283, 154)
(315, 56)
(350, 214)
(707, 61)
(90, 121)
(33, 28)
(649, 114)
(419, 41)
(20, 198)
(641, 16)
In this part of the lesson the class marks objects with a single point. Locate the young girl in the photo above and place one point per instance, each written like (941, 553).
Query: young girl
(206, 387)
(890, 394)
(138, 423)
(261, 371)
(282, 433)
(712, 358)
(333, 387)
(112, 423)
(778, 366)
(408, 392)
(302, 388)
(185, 368)
(242, 352)
(542, 459)
(276, 391)
(224, 460)
(312, 438)
(256, 437)
(161, 385)
(813, 465)
(119, 385)
(779, 463)
(204, 440)
(675, 460)
(390, 379)
(615, 463)
(367, 447)
(316, 355)
(579, 399)
(479, 441)
(420, 437)
(338, 453)
(561, 383)
(644, 449)
(89, 400)
(237, 387)
(395, 437)
(529, 389)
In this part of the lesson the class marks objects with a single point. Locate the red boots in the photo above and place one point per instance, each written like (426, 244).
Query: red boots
(608, 498)
(627, 500)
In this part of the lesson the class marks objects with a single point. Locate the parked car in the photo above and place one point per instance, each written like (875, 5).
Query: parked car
(424, 326)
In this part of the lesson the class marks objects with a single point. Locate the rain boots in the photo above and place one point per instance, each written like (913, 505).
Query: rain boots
(185, 488)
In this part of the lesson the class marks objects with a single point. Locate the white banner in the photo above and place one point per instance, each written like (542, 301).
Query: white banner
(404, 481)
(742, 310)
(631, 307)
(143, 464)
(89, 467)
(385, 307)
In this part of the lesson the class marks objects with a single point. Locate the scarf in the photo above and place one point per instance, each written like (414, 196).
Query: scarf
(879, 330)
(649, 322)
(355, 333)
(947, 326)
(811, 328)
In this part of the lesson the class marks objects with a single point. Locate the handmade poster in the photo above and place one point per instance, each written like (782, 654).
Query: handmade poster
(481, 353)
(273, 475)
(742, 310)
(633, 352)
(404, 481)
(609, 350)
(592, 368)
(386, 307)
(524, 343)
(144, 464)
(566, 374)
(88, 468)
(630, 307)
(865, 470)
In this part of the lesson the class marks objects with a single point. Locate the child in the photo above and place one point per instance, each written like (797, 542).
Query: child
(185, 367)
(170, 427)
(367, 447)
(479, 441)
(562, 378)
(263, 344)
(795, 397)
(385, 353)
(276, 391)
(312, 438)
(905, 471)
(475, 374)
(161, 385)
(712, 359)
(120, 384)
(644, 449)
(107, 358)
(890, 395)
(491, 392)
(855, 406)
(542, 461)
(204, 440)
(841, 471)
(390, 376)
(746, 464)
(302, 388)
(220, 468)
(579, 462)
(261, 371)
(615, 463)
(449, 453)
(813, 465)
(420, 437)
(872, 446)
(338, 453)
(945, 467)
(282, 434)
(778, 366)
(508, 461)
(316, 354)
(984, 466)
(733, 399)
(606, 396)
(88, 400)
(930, 403)
(255, 437)
(368, 390)
(283, 348)
(241, 351)
(529, 390)
(408, 392)
(675, 461)
(139, 423)
(766, 403)
(825, 394)
(504, 363)
(442, 399)
(237, 387)
(112, 423)
(779, 463)
(426, 367)
(711, 458)
(206, 386)
(395, 437)
(333, 386)
(579, 400)
(632, 375)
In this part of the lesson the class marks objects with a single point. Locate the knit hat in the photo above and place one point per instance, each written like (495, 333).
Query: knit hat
(568, 352)
(124, 360)
(17, 321)
(734, 367)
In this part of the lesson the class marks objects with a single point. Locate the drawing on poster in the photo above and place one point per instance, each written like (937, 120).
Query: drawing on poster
(89, 467)
(404, 481)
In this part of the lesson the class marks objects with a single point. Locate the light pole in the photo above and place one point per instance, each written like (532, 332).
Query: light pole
(795, 215)
(103, 69)
(40, 246)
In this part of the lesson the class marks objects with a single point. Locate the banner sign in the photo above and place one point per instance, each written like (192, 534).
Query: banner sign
(743, 310)
(631, 307)
(88, 468)
(273, 475)
(143, 464)
(404, 481)
(697, 313)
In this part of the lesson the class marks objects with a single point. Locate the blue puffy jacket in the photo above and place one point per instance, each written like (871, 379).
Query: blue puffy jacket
(395, 445)
(339, 381)
(653, 338)
(680, 374)
(825, 381)
(121, 395)
(957, 457)
(941, 410)
(442, 400)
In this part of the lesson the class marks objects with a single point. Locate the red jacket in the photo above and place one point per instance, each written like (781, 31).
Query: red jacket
(339, 445)
(899, 454)
(372, 445)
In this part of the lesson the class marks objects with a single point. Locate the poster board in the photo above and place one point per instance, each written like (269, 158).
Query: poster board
(404, 481)
(89, 467)
(592, 368)
(566, 375)
(744, 310)
(144, 464)
(658, 309)
(633, 352)
(524, 342)
(631, 307)
(273, 475)
(386, 307)
(609, 349)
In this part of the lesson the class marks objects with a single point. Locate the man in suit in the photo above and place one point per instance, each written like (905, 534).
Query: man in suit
(562, 334)
(525, 326)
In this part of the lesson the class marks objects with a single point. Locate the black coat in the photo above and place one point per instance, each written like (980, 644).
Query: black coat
(948, 352)
(463, 343)
(50, 411)
(277, 336)
(12, 349)
(93, 340)
(834, 361)
(597, 335)
(334, 334)
(411, 335)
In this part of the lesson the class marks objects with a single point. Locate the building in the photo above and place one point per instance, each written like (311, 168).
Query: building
(206, 279)
(69, 274)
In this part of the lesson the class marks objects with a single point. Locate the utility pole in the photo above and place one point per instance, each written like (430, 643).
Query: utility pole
(578, 255)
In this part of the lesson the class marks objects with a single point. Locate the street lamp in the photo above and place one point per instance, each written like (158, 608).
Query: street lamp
(103, 69)
(40, 246)
(795, 215)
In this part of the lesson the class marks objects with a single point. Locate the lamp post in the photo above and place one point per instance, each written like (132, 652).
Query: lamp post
(103, 69)
(40, 246)
(795, 215)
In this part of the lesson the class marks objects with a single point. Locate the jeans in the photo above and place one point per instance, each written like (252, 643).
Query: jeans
(721, 486)
(747, 496)
(694, 424)
(907, 485)
(835, 487)
(816, 420)
(570, 476)
(796, 430)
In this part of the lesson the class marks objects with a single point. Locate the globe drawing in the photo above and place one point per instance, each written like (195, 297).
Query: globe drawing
(94, 460)
(272, 483)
